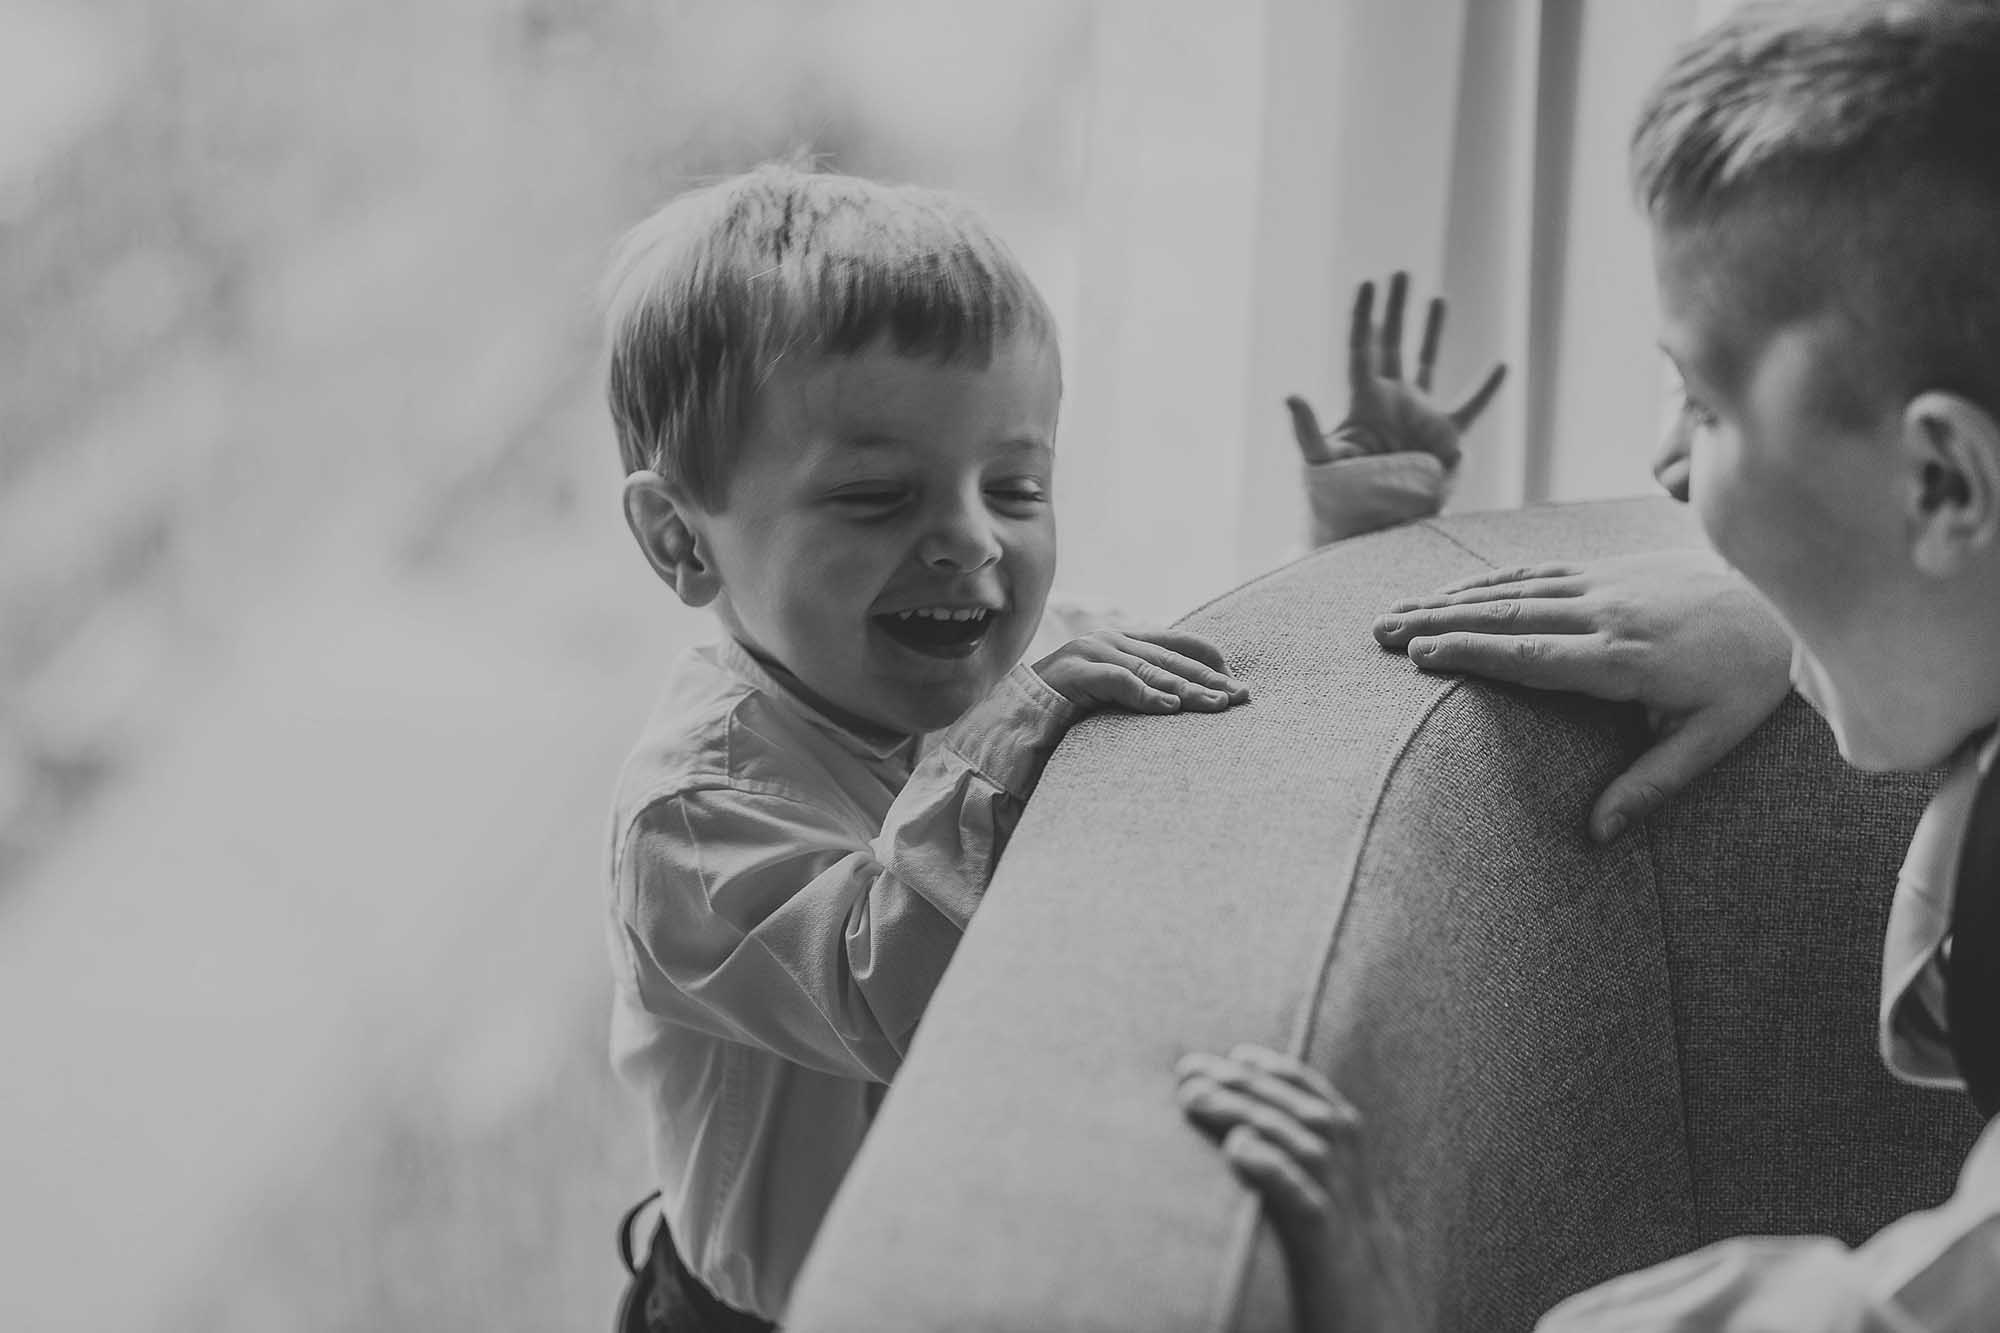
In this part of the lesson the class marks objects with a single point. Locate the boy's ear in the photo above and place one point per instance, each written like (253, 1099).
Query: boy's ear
(667, 526)
(1954, 505)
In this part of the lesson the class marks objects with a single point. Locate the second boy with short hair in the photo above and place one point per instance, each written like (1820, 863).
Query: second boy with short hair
(1824, 191)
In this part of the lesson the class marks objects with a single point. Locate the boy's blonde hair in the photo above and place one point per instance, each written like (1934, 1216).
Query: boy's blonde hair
(1844, 156)
(708, 294)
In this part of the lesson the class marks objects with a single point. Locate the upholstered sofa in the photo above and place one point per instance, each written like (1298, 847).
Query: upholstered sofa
(1573, 1060)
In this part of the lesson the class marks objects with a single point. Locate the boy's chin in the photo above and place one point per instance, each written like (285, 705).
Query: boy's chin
(1914, 748)
(1881, 730)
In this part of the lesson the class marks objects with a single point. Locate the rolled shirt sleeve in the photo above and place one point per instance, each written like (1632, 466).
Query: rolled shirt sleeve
(765, 919)
(1368, 492)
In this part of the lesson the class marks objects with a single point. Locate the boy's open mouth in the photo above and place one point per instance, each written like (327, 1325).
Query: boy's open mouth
(938, 631)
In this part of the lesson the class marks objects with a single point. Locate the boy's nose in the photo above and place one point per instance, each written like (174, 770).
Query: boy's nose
(1673, 463)
(960, 541)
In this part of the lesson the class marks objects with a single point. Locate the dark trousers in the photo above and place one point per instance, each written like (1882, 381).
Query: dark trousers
(664, 1297)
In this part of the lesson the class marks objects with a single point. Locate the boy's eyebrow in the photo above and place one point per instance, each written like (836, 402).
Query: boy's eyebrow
(1011, 444)
(1028, 444)
(874, 440)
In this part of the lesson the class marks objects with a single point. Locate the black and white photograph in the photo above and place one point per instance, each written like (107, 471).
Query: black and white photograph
(941, 666)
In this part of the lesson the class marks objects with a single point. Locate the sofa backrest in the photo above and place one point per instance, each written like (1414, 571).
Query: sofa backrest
(1574, 1060)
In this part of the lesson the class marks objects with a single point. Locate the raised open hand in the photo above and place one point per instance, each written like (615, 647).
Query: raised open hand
(1385, 413)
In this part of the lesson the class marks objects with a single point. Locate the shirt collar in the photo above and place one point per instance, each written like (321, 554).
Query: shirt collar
(1912, 1043)
(871, 743)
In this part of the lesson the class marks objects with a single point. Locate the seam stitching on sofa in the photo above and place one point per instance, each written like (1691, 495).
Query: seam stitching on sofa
(1308, 1022)
(1476, 555)
(1674, 1022)
(1230, 1294)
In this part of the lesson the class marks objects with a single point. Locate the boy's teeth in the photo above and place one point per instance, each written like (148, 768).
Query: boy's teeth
(944, 613)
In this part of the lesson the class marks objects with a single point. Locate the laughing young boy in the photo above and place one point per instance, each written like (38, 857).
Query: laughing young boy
(836, 405)
(1823, 186)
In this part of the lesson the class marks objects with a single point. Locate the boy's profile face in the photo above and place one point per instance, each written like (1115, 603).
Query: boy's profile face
(1809, 507)
(888, 535)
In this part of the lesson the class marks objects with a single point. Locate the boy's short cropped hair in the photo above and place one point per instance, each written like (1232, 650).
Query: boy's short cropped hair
(708, 294)
(1843, 157)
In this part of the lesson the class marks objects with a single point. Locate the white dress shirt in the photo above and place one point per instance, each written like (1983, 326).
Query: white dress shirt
(786, 894)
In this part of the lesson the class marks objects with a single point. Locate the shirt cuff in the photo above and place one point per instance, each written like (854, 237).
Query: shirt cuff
(1009, 735)
(1350, 496)
(1811, 1284)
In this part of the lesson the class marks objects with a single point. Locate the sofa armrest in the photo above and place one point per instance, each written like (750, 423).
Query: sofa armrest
(1377, 868)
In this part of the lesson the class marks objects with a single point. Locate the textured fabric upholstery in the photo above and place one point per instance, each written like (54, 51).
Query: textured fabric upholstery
(1573, 1060)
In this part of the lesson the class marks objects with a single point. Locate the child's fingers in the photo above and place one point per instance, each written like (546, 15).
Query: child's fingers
(1680, 757)
(1491, 578)
(1498, 615)
(1552, 587)
(1167, 681)
(1143, 691)
(1468, 411)
(1184, 643)
(1427, 353)
(1360, 362)
(1319, 1111)
(1313, 446)
(1220, 1110)
(1295, 1071)
(1205, 677)
(1585, 662)
(1286, 1187)
(1390, 355)
(1112, 683)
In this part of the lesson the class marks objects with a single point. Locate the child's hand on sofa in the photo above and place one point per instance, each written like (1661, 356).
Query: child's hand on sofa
(1677, 631)
(1385, 413)
(1295, 1141)
(1145, 671)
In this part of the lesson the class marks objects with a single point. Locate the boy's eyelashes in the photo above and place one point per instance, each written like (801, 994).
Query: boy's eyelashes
(1687, 407)
(1690, 409)
(869, 497)
(1697, 414)
(1024, 492)
(876, 499)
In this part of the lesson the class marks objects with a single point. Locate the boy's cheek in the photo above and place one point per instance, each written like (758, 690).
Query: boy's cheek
(1034, 568)
(1729, 519)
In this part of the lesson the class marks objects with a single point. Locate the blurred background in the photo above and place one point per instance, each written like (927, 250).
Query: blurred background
(320, 637)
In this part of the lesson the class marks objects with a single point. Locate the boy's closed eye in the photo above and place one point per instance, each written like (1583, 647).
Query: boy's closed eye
(1025, 493)
(1695, 413)
(1686, 417)
(875, 497)
(869, 499)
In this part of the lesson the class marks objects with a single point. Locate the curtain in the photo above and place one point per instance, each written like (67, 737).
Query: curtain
(1248, 165)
